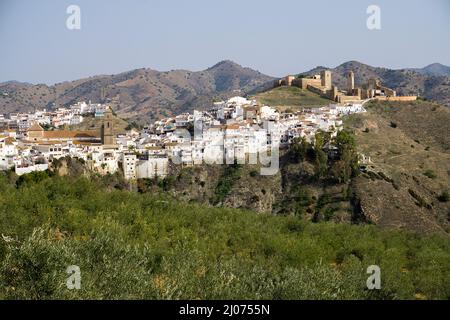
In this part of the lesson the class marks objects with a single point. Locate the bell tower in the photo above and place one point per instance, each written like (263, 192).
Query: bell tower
(107, 128)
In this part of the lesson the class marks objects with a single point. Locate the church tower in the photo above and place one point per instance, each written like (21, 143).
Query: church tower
(108, 129)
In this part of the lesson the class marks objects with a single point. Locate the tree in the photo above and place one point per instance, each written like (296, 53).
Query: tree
(300, 148)
(321, 163)
(321, 139)
(347, 165)
(33, 177)
(345, 140)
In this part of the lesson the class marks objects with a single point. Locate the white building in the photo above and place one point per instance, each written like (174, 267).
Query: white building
(152, 167)
(129, 166)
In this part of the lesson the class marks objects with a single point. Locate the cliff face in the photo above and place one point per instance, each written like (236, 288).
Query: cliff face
(220, 185)
(292, 191)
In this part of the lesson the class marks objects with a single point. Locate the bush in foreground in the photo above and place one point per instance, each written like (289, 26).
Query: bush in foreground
(136, 246)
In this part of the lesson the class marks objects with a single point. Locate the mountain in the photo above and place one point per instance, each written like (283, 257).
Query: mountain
(435, 69)
(138, 94)
(146, 94)
(430, 82)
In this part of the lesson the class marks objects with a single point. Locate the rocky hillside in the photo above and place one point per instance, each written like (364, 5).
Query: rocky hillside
(138, 94)
(434, 69)
(432, 82)
(404, 186)
(409, 173)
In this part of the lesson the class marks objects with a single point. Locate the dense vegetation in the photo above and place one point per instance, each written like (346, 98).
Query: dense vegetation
(131, 245)
(313, 182)
(225, 184)
(336, 166)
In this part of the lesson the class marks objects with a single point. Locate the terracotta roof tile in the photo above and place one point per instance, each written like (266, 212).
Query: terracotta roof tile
(36, 127)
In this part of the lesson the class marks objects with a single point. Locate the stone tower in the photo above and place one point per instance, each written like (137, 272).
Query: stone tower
(107, 128)
(373, 84)
(334, 93)
(350, 83)
(326, 79)
(288, 80)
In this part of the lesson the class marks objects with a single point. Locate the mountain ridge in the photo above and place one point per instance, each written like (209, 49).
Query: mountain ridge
(139, 93)
(145, 94)
(436, 69)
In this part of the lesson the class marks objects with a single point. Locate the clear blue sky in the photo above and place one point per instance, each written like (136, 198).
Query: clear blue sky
(274, 37)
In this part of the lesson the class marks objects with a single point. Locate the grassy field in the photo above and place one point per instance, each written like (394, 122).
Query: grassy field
(290, 98)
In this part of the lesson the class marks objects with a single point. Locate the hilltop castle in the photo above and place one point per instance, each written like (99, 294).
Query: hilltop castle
(322, 84)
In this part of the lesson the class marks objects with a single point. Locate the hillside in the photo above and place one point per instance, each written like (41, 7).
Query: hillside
(409, 146)
(92, 123)
(290, 98)
(430, 85)
(396, 192)
(146, 94)
(141, 94)
(434, 69)
(140, 246)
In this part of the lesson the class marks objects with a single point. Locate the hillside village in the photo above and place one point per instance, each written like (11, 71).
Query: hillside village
(230, 130)
(237, 130)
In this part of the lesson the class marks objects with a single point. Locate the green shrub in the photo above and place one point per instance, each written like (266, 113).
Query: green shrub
(147, 246)
(430, 174)
(444, 196)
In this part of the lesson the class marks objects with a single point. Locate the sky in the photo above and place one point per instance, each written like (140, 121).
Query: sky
(273, 37)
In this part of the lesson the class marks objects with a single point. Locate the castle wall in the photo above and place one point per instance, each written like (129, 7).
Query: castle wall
(288, 80)
(305, 82)
(397, 98)
(317, 89)
(389, 92)
(345, 99)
